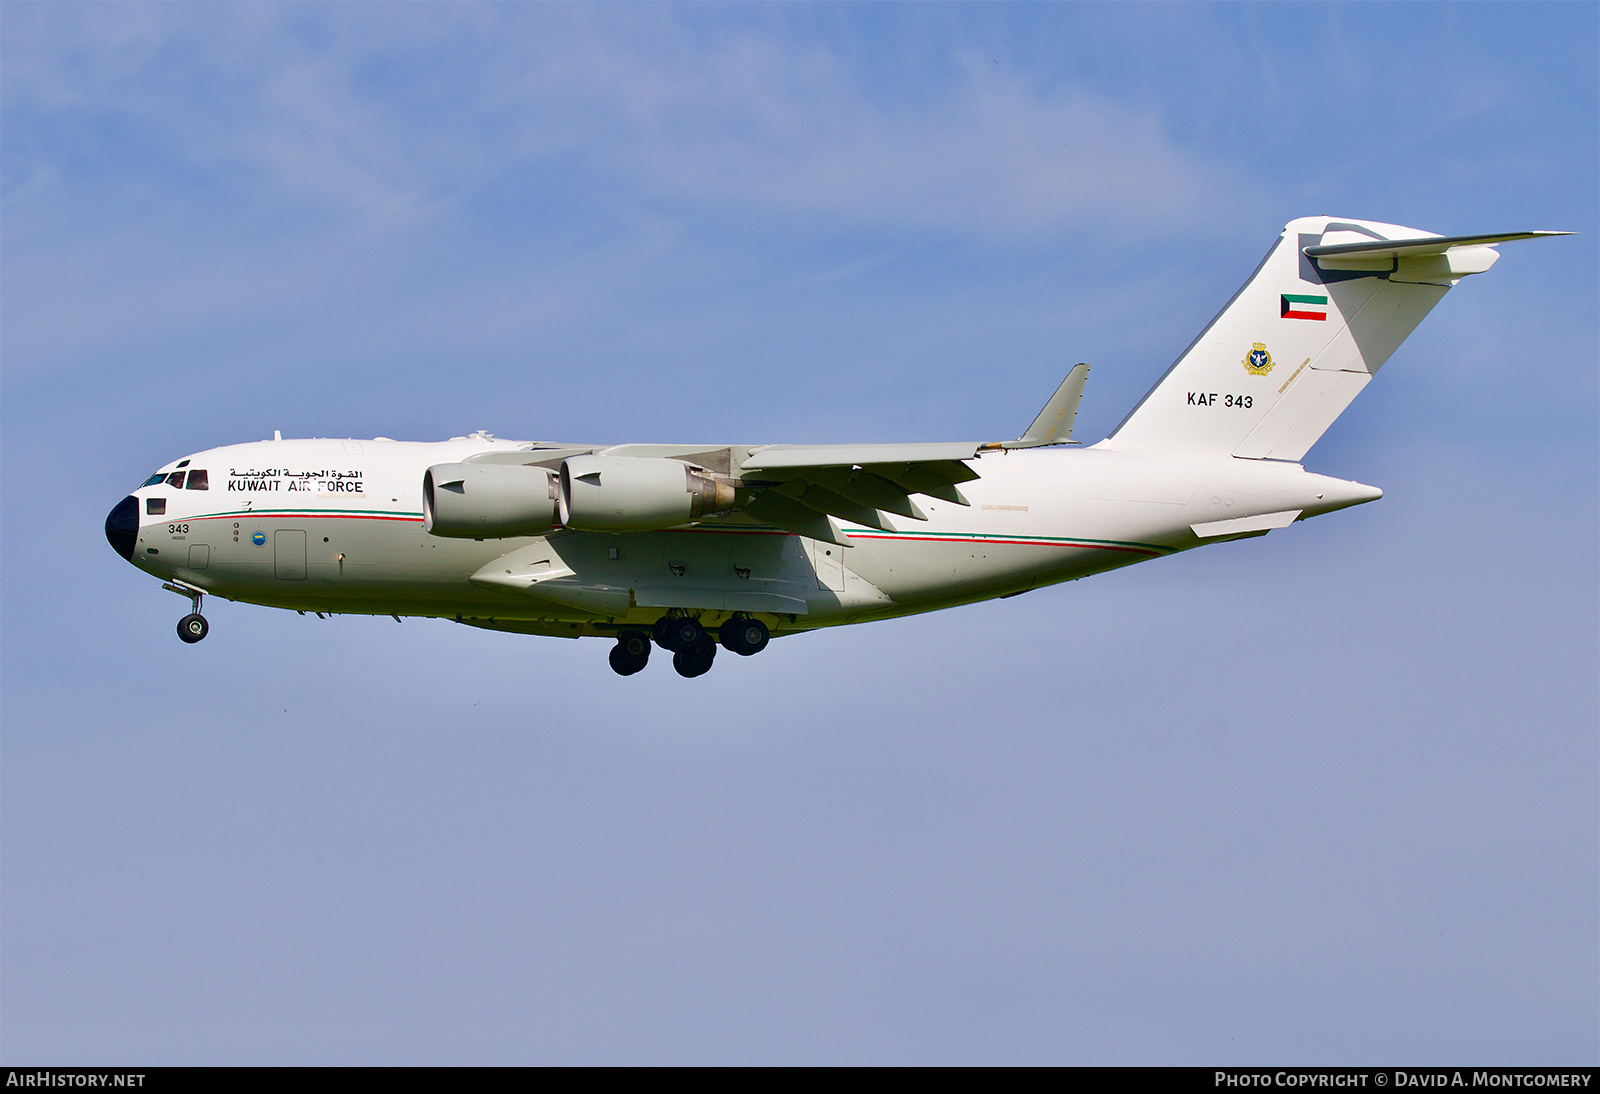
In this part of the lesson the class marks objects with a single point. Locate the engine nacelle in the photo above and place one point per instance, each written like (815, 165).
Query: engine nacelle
(633, 494)
(487, 500)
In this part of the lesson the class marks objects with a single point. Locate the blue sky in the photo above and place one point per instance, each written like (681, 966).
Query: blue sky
(1326, 796)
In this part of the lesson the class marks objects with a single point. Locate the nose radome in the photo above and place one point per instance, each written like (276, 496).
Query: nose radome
(122, 527)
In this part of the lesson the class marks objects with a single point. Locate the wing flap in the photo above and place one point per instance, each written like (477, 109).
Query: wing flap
(807, 484)
(866, 488)
(934, 481)
(824, 500)
(793, 516)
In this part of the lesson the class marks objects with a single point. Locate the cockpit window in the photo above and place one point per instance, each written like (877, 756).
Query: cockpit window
(199, 480)
(175, 480)
(160, 476)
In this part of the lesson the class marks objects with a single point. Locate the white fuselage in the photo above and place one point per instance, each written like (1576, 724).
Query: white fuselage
(747, 542)
(337, 526)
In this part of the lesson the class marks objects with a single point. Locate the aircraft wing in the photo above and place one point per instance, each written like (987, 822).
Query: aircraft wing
(807, 489)
(804, 487)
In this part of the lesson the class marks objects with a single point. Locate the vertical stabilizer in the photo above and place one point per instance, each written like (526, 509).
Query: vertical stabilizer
(1322, 313)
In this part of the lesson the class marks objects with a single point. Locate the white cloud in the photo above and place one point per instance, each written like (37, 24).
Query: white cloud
(386, 112)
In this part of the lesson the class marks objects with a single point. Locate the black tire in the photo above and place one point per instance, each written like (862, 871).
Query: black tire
(635, 643)
(626, 664)
(193, 627)
(660, 631)
(696, 660)
(745, 637)
(684, 633)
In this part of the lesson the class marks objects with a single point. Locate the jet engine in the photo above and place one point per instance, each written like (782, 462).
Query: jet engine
(633, 494)
(487, 501)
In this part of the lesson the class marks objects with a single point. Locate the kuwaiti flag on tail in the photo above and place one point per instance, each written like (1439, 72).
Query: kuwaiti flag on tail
(1302, 306)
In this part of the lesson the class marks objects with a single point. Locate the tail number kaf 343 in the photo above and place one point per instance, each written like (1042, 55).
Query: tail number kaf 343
(1209, 398)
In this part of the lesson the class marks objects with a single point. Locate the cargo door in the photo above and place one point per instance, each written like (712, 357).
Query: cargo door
(289, 553)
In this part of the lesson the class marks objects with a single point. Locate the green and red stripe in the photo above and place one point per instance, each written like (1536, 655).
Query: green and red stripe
(300, 514)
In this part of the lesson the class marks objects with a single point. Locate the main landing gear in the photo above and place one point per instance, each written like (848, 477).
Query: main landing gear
(192, 627)
(631, 653)
(743, 635)
(692, 646)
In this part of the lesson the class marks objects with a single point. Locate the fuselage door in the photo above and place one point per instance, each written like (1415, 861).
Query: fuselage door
(289, 553)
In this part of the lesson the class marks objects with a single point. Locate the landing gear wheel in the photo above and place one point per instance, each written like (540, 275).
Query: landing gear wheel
(744, 636)
(193, 627)
(658, 631)
(630, 654)
(696, 660)
(678, 633)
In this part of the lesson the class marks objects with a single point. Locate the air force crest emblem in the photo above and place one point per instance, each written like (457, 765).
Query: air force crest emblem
(1258, 362)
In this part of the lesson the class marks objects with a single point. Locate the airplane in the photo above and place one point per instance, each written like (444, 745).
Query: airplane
(690, 546)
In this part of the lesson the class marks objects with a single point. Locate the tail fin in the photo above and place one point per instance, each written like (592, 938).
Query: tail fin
(1322, 313)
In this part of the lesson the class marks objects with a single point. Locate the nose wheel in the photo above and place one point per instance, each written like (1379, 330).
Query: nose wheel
(192, 627)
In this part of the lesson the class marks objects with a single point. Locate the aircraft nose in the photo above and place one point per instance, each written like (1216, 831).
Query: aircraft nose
(122, 527)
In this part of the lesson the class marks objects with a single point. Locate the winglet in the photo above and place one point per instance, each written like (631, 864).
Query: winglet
(1055, 421)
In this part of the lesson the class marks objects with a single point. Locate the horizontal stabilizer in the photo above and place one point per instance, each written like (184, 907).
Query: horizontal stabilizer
(1429, 245)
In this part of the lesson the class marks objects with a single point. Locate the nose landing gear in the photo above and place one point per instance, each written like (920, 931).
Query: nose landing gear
(192, 627)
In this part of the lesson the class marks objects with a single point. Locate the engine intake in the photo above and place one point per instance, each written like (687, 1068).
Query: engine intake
(487, 501)
(634, 494)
